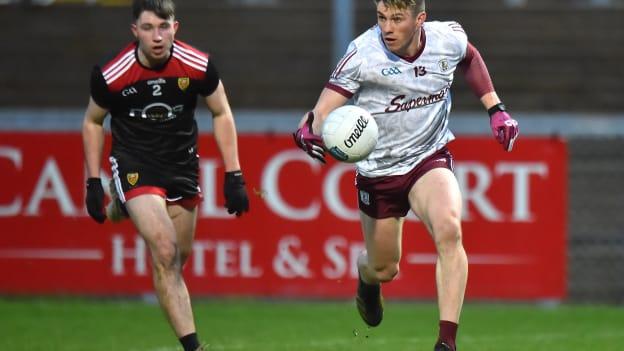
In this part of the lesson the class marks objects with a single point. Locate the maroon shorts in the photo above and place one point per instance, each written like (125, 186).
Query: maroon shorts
(383, 197)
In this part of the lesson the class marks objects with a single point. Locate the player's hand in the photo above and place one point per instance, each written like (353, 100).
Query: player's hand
(504, 128)
(236, 200)
(95, 200)
(308, 141)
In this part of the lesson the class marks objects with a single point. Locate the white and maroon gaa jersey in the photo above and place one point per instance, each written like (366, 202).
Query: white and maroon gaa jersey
(409, 97)
(153, 109)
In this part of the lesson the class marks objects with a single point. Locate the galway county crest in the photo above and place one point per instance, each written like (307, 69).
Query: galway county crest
(444, 65)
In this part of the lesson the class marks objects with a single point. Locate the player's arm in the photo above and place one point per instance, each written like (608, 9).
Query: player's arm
(236, 200)
(307, 137)
(504, 128)
(93, 137)
(224, 128)
(211, 88)
(93, 144)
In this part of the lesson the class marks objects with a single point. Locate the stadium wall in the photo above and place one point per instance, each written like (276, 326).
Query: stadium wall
(277, 54)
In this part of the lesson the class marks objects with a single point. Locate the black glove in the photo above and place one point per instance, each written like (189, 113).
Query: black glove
(95, 200)
(236, 200)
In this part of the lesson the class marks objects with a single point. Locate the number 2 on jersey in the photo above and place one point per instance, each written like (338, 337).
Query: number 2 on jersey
(156, 91)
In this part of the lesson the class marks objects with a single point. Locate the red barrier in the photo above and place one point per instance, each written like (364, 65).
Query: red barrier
(302, 235)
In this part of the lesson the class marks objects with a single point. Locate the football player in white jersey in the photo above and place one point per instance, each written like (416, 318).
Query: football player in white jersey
(401, 71)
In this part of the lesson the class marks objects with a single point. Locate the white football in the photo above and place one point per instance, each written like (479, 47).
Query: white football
(350, 133)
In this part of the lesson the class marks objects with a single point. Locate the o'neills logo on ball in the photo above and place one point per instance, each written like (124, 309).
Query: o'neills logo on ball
(361, 123)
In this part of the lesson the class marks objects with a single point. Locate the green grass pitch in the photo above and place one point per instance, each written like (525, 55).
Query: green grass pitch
(260, 325)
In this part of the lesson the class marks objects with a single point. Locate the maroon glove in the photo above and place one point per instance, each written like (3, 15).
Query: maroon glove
(504, 128)
(309, 142)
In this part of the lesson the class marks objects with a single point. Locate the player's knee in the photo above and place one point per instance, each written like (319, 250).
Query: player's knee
(387, 272)
(447, 233)
(166, 255)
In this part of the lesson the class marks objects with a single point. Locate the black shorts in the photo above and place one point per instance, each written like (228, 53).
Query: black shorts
(133, 178)
(384, 197)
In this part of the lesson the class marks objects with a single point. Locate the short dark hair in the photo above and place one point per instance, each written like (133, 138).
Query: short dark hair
(164, 9)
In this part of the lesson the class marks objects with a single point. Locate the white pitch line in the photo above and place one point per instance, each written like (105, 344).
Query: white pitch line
(53, 254)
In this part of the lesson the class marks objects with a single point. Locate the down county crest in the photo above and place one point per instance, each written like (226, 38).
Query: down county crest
(183, 83)
(132, 178)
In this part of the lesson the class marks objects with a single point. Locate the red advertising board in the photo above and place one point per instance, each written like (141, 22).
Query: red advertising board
(302, 235)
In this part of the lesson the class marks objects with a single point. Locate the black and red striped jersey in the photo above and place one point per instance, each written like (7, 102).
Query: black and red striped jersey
(153, 109)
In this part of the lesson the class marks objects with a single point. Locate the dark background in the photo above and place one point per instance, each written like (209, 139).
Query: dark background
(549, 55)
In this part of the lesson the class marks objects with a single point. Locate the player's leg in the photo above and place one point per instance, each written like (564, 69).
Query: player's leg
(436, 199)
(382, 237)
(378, 264)
(151, 218)
(184, 221)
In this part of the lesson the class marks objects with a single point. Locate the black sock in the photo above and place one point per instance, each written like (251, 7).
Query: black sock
(190, 342)
(368, 291)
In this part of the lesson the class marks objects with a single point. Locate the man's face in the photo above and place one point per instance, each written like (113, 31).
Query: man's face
(155, 36)
(398, 27)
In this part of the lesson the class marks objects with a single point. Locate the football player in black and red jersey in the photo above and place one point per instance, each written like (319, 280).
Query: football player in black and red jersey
(150, 90)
